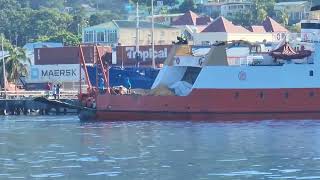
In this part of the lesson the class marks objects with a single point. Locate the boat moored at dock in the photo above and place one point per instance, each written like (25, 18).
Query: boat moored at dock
(210, 87)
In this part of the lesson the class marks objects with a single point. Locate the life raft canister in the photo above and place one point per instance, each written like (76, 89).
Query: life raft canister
(178, 60)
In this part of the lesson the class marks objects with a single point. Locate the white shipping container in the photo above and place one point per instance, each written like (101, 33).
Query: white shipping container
(58, 73)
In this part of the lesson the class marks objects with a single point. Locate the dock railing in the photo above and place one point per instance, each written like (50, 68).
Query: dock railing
(33, 94)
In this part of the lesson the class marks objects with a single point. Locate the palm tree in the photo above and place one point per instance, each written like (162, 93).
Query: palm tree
(16, 63)
(284, 17)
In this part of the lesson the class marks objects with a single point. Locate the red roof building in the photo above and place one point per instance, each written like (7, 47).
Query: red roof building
(257, 29)
(192, 19)
(221, 24)
(271, 25)
(222, 29)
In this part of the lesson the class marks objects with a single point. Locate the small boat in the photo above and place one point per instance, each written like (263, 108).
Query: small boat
(209, 87)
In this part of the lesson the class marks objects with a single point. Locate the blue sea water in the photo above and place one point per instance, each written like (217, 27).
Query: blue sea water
(61, 147)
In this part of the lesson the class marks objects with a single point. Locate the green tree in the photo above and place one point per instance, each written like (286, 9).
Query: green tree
(187, 5)
(243, 18)
(148, 2)
(283, 17)
(103, 17)
(262, 15)
(65, 37)
(48, 22)
(15, 63)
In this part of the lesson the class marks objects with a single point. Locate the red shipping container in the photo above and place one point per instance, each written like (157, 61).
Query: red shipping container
(126, 55)
(70, 55)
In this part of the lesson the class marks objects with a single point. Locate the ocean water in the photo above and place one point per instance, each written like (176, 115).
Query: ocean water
(61, 147)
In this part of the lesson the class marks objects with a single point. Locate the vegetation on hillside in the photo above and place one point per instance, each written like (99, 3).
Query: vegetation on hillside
(15, 63)
(25, 21)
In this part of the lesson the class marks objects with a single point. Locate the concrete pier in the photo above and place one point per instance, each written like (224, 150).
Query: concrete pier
(31, 107)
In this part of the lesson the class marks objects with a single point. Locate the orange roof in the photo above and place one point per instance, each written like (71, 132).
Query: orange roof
(189, 18)
(221, 24)
(271, 25)
(257, 29)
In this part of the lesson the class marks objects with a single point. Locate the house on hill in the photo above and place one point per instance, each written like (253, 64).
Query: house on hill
(191, 23)
(297, 10)
(124, 32)
(222, 29)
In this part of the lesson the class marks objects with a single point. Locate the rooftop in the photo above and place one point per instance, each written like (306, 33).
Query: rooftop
(191, 18)
(257, 29)
(271, 25)
(293, 3)
(221, 24)
(130, 24)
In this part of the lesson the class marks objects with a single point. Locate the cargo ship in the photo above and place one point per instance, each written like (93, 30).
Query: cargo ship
(284, 84)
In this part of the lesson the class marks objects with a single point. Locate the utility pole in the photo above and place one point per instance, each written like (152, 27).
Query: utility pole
(4, 68)
(152, 39)
(137, 36)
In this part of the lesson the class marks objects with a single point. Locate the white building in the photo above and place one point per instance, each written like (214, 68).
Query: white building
(297, 10)
(124, 32)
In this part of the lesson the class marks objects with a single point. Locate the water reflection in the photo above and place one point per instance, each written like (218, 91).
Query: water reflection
(63, 148)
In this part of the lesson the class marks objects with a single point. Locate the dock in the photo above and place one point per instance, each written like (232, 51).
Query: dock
(23, 103)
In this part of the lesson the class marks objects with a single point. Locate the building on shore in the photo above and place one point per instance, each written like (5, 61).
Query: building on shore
(165, 19)
(297, 10)
(226, 8)
(191, 23)
(123, 32)
(222, 29)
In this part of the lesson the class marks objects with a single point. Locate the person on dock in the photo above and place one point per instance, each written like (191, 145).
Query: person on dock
(58, 90)
(48, 88)
(54, 91)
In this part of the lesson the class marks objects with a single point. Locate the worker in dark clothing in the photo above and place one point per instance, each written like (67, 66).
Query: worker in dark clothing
(58, 90)
(54, 91)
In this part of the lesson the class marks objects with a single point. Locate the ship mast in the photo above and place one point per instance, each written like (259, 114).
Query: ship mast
(4, 68)
(152, 36)
(137, 36)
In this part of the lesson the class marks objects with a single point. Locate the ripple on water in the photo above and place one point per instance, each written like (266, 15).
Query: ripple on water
(66, 153)
(289, 170)
(231, 160)
(109, 160)
(48, 175)
(124, 158)
(55, 146)
(70, 166)
(16, 177)
(240, 173)
(115, 173)
(309, 177)
(177, 150)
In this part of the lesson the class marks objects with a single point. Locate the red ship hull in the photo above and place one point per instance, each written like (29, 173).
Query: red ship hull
(212, 104)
